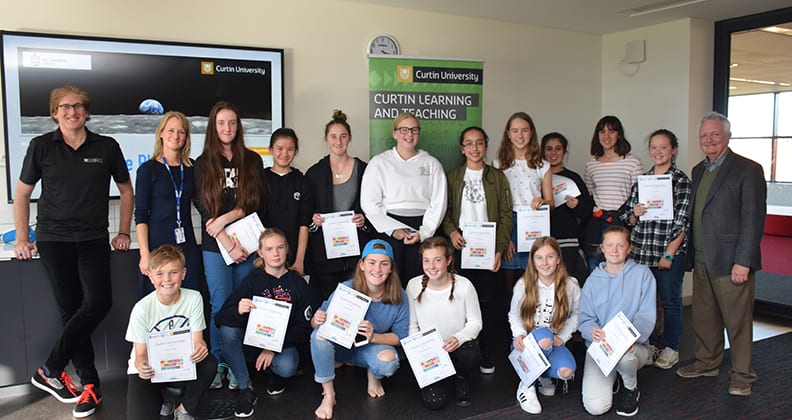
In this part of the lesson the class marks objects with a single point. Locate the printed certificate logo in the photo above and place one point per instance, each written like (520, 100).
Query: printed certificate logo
(207, 67)
(340, 323)
(533, 234)
(404, 74)
(522, 363)
(478, 252)
(559, 187)
(265, 330)
(340, 241)
(654, 204)
(606, 348)
(171, 364)
(430, 364)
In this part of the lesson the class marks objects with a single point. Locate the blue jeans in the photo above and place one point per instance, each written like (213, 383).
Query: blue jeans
(284, 364)
(325, 354)
(669, 288)
(520, 259)
(221, 280)
(558, 356)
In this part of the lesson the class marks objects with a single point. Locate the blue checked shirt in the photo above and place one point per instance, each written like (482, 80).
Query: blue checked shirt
(650, 238)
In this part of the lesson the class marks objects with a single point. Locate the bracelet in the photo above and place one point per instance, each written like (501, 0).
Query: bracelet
(232, 248)
(125, 234)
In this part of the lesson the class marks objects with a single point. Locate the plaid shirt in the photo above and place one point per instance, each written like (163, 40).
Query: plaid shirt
(650, 238)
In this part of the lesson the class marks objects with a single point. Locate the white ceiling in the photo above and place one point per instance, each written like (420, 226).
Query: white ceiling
(591, 16)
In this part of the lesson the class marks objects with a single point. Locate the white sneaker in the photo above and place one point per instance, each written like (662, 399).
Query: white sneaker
(546, 387)
(667, 359)
(526, 396)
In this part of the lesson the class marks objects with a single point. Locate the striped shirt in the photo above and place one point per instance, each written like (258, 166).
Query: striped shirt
(610, 182)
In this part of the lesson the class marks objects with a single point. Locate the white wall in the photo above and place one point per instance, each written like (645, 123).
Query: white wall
(672, 89)
(551, 74)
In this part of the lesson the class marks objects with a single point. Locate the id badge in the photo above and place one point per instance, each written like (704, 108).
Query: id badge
(178, 233)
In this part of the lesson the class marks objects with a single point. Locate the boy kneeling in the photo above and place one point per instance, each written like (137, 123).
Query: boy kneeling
(168, 307)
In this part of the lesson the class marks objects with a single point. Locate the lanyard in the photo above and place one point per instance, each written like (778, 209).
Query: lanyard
(178, 190)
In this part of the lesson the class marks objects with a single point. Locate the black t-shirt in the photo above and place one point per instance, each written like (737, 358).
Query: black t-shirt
(75, 185)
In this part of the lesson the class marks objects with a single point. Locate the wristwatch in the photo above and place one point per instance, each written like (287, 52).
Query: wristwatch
(668, 257)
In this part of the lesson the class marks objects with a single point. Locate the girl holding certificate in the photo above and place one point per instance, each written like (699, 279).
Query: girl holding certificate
(609, 177)
(545, 304)
(530, 182)
(448, 302)
(336, 183)
(661, 244)
(290, 203)
(477, 192)
(567, 221)
(164, 189)
(273, 280)
(403, 194)
(230, 184)
(385, 322)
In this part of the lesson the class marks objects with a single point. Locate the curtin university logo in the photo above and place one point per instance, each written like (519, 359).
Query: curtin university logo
(404, 74)
(207, 68)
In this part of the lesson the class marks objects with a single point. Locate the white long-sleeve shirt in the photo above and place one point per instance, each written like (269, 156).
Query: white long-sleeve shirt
(413, 187)
(460, 318)
(544, 308)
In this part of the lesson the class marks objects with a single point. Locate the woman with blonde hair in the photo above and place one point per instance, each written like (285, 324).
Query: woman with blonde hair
(164, 189)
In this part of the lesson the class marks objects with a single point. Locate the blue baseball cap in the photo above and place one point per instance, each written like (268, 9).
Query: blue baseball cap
(369, 249)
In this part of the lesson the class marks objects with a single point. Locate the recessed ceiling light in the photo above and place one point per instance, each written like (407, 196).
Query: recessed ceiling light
(657, 7)
(777, 30)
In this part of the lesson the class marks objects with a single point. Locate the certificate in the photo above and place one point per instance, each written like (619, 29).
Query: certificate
(266, 327)
(529, 363)
(563, 187)
(429, 362)
(244, 232)
(620, 334)
(479, 250)
(657, 194)
(385, 224)
(344, 314)
(340, 235)
(531, 225)
(169, 355)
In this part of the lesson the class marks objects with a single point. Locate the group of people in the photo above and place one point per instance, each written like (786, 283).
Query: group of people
(601, 258)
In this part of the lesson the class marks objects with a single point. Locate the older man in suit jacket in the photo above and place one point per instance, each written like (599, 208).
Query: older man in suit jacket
(729, 206)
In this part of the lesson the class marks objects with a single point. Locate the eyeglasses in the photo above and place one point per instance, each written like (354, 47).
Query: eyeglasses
(405, 130)
(68, 107)
(474, 144)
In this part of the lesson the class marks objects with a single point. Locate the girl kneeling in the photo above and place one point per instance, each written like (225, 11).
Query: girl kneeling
(385, 323)
(545, 304)
(449, 302)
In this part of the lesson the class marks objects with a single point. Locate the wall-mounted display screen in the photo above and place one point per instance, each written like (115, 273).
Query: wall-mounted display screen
(131, 83)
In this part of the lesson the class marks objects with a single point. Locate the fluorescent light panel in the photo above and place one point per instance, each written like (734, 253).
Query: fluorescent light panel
(658, 7)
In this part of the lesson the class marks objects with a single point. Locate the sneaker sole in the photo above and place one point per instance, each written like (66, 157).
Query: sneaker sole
(486, 370)
(52, 392)
(665, 366)
(86, 413)
(740, 392)
(244, 415)
(83, 414)
(276, 392)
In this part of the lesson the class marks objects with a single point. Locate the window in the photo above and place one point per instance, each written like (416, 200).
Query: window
(762, 131)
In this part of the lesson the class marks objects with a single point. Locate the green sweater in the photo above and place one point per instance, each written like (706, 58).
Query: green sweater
(499, 202)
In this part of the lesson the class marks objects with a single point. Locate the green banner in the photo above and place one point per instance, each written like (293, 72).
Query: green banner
(445, 95)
